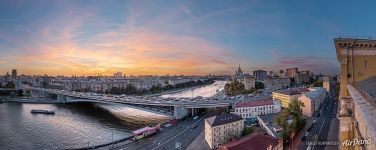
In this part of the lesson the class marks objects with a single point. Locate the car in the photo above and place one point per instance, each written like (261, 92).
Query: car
(193, 126)
(194, 118)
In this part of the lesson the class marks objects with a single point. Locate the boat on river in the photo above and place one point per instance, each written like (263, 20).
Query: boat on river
(39, 111)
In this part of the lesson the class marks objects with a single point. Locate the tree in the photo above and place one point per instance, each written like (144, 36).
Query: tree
(10, 85)
(259, 85)
(317, 83)
(247, 130)
(234, 88)
(294, 110)
(130, 89)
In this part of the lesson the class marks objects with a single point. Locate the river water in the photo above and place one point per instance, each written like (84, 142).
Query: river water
(205, 91)
(77, 125)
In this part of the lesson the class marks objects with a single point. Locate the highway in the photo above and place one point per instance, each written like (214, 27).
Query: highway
(165, 140)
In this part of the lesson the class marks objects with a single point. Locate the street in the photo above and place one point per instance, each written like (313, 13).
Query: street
(183, 133)
(325, 129)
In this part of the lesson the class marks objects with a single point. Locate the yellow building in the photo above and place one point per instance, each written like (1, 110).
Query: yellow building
(357, 58)
(285, 96)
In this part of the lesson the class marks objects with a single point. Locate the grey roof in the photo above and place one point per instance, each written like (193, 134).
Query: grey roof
(222, 119)
(368, 86)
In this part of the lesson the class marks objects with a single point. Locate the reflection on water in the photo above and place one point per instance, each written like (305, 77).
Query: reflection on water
(134, 118)
(206, 91)
(72, 126)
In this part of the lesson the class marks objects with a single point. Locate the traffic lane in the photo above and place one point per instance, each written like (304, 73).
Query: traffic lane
(328, 117)
(154, 140)
(186, 137)
(181, 136)
(321, 121)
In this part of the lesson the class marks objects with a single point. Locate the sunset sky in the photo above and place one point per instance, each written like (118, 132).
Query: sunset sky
(175, 36)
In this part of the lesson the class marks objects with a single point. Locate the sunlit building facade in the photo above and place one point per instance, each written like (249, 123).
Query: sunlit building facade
(357, 58)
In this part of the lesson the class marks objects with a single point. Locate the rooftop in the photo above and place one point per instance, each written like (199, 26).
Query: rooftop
(255, 103)
(222, 119)
(368, 86)
(251, 142)
(317, 91)
(292, 91)
(268, 120)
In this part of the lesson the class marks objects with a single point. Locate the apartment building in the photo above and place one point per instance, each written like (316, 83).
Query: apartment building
(222, 128)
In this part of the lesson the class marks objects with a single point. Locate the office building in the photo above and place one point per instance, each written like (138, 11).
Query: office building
(291, 73)
(357, 58)
(312, 100)
(260, 75)
(302, 77)
(285, 96)
(250, 109)
(249, 82)
(276, 83)
(222, 128)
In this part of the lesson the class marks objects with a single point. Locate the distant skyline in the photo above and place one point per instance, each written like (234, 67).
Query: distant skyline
(176, 37)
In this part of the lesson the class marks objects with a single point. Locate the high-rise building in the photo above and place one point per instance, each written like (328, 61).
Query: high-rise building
(239, 74)
(302, 77)
(281, 74)
(357, 58)
(14, 74)
(260, 75)
(249, 82)
(291, 72)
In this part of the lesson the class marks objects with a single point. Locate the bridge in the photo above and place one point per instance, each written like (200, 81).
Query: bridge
(175, 107)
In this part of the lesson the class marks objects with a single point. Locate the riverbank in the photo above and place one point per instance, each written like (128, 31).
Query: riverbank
(176, 91)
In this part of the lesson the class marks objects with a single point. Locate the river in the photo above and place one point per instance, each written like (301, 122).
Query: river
(77, 125)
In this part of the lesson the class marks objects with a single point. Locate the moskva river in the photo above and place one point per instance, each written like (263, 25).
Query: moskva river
(78, 125)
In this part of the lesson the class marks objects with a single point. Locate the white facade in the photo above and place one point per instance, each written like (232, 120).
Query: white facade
(254, 111)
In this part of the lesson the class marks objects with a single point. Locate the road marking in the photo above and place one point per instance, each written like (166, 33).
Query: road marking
(178, 134)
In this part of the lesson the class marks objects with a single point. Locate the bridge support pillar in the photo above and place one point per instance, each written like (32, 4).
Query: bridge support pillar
(61, 98)
(180, 112)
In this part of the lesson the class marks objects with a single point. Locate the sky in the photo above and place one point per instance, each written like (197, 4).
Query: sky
(191, 37)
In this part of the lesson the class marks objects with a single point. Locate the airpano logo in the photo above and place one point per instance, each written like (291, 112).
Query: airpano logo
(356, 141)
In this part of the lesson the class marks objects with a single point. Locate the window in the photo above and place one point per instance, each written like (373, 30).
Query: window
(365, 64)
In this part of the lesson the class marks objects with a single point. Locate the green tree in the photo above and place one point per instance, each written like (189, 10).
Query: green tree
(317, 83)
(234, 88)
(247, 130)
(259, 85)
(10, 85)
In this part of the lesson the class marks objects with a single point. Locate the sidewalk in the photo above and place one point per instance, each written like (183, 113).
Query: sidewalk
(298, 144)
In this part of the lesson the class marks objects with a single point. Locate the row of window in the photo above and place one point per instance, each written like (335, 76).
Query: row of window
(248, 115)
(252, 109)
